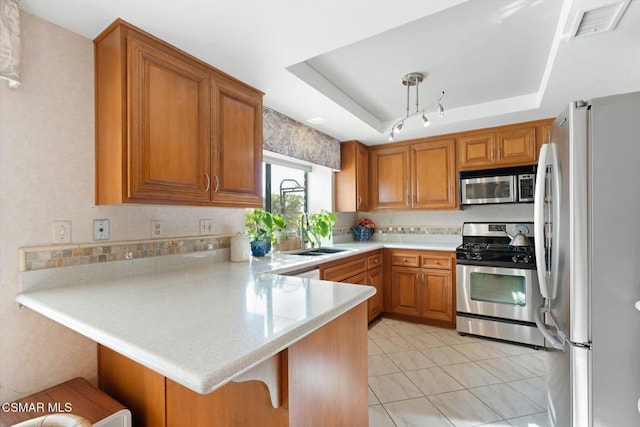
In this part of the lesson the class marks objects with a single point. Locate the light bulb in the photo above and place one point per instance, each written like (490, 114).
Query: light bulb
(425, 121)
(398, 128)
(440, 110)
(391, 137)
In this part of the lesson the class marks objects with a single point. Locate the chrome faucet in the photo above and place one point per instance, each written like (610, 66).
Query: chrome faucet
(304, 227)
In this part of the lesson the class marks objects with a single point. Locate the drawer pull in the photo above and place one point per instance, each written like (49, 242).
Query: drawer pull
(375, 261)
(404, 260)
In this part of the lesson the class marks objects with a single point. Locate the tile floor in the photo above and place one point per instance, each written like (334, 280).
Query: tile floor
(429, 377)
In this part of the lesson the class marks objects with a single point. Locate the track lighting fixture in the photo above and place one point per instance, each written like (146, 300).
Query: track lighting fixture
(409, 80)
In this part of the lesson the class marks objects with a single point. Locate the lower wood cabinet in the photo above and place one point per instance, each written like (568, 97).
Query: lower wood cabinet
(365, 269)
(323, 382)
(422, 285)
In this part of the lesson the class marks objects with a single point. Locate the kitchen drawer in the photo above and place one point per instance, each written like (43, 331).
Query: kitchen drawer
(374, 261)
(407, 260)
(344, 270)
(435, 261)
(358, 279)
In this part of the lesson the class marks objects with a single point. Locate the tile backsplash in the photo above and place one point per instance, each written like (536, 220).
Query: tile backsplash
(43, 257)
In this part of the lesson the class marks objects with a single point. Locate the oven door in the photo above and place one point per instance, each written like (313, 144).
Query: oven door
(499, 292)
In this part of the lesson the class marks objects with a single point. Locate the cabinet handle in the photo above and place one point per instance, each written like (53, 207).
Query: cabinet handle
(375, 261)
(404, 260)
(215, 175)
(436, 262)
(359, 200)
(208, 182)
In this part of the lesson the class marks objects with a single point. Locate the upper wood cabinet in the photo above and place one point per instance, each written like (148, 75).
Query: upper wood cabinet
(237, 142)
(513, 145)
(516, 146)
(390, 178)
(543, 133)
(433, 175)
(171, 129)
(476, 151)
(421, 175)
(351, 183)
(505, 148)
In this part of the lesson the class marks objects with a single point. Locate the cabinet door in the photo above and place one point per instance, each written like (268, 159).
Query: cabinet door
(351, 183)
(362, 178)
(543, 134)
(168, 126)
(237, 146)
(390, 178)
(436, 295)
(405, 290)
(476, 151)
(433, 175)
(516, 147)
(375, 278)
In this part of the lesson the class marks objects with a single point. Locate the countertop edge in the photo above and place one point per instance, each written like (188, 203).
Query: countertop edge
(182, 376)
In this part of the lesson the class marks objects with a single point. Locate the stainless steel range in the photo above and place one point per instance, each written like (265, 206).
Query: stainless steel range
(496, 282)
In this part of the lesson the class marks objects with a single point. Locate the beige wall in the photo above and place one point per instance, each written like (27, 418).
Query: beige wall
(47, 174)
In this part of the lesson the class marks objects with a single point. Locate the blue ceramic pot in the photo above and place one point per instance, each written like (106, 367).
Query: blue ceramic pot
(362, 233)
(260, 247)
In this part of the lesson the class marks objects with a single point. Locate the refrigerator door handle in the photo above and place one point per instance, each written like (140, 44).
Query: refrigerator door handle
(547, 257)
(538, 220)
(555, 342)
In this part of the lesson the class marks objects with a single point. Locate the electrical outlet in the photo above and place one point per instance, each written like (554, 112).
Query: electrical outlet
(156, 228)
(100, 229)
(206, 227)
(61, 231)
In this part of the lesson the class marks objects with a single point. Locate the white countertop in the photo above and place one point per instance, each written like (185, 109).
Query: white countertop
(202, 323)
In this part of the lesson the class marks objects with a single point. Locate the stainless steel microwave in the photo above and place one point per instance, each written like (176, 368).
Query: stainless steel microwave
(508, 185)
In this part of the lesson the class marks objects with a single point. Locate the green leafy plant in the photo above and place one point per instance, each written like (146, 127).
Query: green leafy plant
(319, 226)
(261, 224)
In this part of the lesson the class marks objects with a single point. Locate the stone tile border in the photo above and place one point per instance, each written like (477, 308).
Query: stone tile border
(42, 257)
(406, 229)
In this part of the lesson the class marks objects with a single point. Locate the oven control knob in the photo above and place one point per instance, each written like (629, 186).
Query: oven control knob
(479, 257)
(468, 256)
(526, 259)
(514, 258)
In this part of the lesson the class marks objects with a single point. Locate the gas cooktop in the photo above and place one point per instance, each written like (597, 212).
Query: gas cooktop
(490, 244)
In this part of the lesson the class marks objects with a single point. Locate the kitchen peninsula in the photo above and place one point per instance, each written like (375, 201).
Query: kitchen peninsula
(181, 345)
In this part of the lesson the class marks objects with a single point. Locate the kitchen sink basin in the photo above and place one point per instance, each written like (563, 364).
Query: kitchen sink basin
(320, 251)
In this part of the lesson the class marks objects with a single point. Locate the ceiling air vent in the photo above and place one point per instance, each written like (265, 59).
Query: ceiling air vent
(599, 19)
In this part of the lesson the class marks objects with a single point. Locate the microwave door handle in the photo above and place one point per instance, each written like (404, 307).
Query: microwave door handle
(539, 220)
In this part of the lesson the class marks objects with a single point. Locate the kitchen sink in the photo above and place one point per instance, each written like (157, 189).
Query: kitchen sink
(320, 251)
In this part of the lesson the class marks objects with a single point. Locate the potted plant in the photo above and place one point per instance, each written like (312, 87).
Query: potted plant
(260, 226)
(363, 229)
(319, 225)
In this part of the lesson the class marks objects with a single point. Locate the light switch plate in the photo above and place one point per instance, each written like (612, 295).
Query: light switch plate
(61, 232)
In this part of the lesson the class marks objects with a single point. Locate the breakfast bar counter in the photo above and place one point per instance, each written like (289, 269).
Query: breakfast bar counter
(206, 327)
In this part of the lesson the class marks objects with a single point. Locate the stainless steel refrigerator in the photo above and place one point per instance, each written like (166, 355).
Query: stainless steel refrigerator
(587, 208)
